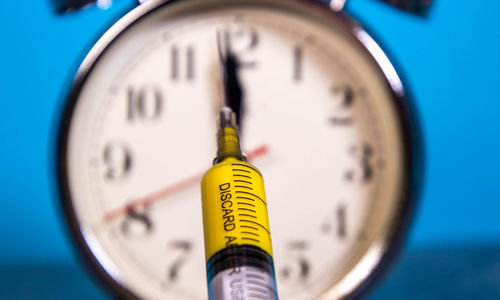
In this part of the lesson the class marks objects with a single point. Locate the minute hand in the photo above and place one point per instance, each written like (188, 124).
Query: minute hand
(232, 88)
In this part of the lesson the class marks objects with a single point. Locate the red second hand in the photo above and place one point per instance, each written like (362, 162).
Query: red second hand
(172, 189)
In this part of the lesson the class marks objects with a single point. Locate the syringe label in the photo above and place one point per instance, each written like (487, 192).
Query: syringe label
(235, 208)
(227, 212)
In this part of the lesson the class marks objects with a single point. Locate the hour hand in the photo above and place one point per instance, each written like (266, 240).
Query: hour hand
(232, 93)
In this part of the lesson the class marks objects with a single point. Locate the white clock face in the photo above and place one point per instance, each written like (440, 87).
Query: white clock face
(318, 121)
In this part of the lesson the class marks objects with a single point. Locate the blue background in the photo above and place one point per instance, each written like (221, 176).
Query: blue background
(450, 62)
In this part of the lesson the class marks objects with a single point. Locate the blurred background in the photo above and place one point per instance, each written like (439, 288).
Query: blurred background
(450, 62)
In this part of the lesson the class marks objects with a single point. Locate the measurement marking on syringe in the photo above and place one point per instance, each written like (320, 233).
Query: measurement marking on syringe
(256, 289)
(247, 209)
(241, 197)
(248, 193)
(252, 233)
(251, 227)
(241, 170)
(250, 239)
(246, 166)
(237, 180)
(243, 186)
(250, 221)
(256, 276)
(247, 215)
(261, 284)
(240, 175)
(244, 203)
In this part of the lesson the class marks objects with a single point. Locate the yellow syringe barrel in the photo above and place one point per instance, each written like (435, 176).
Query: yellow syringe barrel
(236, 225)
(234, 207)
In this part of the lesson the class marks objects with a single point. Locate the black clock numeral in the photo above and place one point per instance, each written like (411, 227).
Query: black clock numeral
(343, 99)
(298, 268)
(297, 63)
(185, 248)
(137, 223)
(145, 103)
(341, 222)
(336, 223)
(243, 41)
(117, 159)
(363, 171)
(182, 63)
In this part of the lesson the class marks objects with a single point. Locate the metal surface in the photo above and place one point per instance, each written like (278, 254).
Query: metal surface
(418, 7)
(64, 6)
(337, 5)
(379, 255)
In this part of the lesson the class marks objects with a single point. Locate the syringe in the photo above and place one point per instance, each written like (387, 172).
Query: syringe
(237, 238)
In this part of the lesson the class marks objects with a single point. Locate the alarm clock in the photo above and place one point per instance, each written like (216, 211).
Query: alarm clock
(324, 116)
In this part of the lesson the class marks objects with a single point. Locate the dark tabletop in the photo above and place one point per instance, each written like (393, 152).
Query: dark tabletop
(430, 275)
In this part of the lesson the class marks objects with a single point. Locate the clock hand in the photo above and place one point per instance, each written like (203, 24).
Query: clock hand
(172, 189)
(231, 85)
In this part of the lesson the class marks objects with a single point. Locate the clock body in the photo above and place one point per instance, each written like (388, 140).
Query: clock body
(324, 117)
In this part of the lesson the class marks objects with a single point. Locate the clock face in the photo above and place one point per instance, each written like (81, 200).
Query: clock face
(320, 120)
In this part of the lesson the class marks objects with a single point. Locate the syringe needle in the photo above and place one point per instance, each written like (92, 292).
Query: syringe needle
(228, 136)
